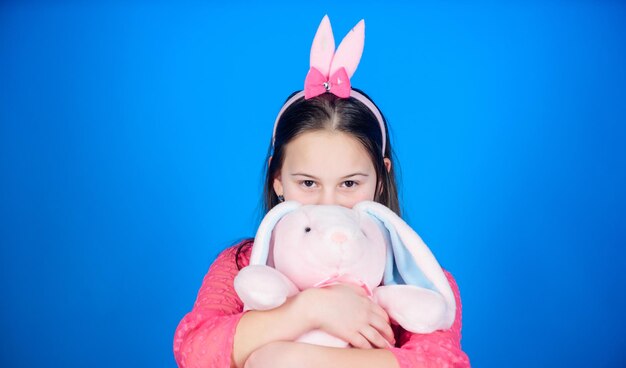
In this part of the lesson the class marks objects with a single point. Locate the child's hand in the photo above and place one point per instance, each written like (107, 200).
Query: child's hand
(346, 312)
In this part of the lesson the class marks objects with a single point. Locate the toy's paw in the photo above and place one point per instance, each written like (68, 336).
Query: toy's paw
(414, 308)
(261, 287)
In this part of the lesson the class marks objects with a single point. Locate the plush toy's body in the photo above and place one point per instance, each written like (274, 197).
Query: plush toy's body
(299, 247)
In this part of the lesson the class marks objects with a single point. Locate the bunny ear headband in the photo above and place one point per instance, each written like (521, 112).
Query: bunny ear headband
(409, 260)
(331, 71)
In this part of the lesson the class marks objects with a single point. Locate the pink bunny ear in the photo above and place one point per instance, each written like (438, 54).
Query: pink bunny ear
(350, 49)
(323, 47)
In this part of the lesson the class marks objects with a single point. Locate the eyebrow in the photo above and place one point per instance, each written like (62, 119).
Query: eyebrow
(315, 178)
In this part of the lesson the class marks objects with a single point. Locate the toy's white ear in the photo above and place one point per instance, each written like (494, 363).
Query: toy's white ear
(409, 260)
(261, 247)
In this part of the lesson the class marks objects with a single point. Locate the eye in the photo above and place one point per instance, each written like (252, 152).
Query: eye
(308, 183)
(349, 183)
(307, 229)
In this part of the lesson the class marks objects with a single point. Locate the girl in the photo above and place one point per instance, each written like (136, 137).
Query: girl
(330, 146)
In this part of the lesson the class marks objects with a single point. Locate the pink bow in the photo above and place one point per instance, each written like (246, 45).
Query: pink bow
(316, 83)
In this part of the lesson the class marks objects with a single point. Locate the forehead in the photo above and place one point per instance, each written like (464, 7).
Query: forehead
(326, 152)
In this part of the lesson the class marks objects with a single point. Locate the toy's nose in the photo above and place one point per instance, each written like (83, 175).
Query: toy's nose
(339, 238)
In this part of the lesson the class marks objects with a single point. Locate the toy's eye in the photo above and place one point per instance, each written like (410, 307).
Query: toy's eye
(307, 229)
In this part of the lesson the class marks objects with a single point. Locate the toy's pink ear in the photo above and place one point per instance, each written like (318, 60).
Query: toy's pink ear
(323, 47)
(260, 249)
(350, 49)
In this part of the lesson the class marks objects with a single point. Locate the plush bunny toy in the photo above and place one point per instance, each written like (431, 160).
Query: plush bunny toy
(299, 247)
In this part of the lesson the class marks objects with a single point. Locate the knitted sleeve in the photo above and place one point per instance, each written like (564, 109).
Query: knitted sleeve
(204, 337)
(439, 349)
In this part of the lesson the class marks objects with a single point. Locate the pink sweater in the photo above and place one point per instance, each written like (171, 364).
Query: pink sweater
(204, 337)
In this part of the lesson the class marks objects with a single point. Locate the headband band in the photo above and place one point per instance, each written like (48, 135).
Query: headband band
(357, 95)
(331, 70)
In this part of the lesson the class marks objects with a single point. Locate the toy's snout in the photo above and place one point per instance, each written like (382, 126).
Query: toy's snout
(339, 237)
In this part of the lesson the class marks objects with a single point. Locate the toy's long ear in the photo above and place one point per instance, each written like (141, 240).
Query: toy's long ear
(409, 260)
(261, 247)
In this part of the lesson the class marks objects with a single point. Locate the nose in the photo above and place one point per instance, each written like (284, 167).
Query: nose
(339, 238)
(328, 198)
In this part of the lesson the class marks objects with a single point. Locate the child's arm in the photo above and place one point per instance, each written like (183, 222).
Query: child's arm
(436, 349)
(343, 311)
(293, 354)
(258, 328)
(204, 337)
(440, 348)
(216, 333)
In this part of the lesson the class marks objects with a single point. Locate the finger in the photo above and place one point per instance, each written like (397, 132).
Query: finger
(383, 327)
(380, 311)
(358, 341)
(374, 337)
(382, 324)
(357, 289)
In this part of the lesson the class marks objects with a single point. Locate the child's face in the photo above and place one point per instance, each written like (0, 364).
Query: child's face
(325, 167)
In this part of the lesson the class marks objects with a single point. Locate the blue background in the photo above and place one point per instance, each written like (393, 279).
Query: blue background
(133, 137)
